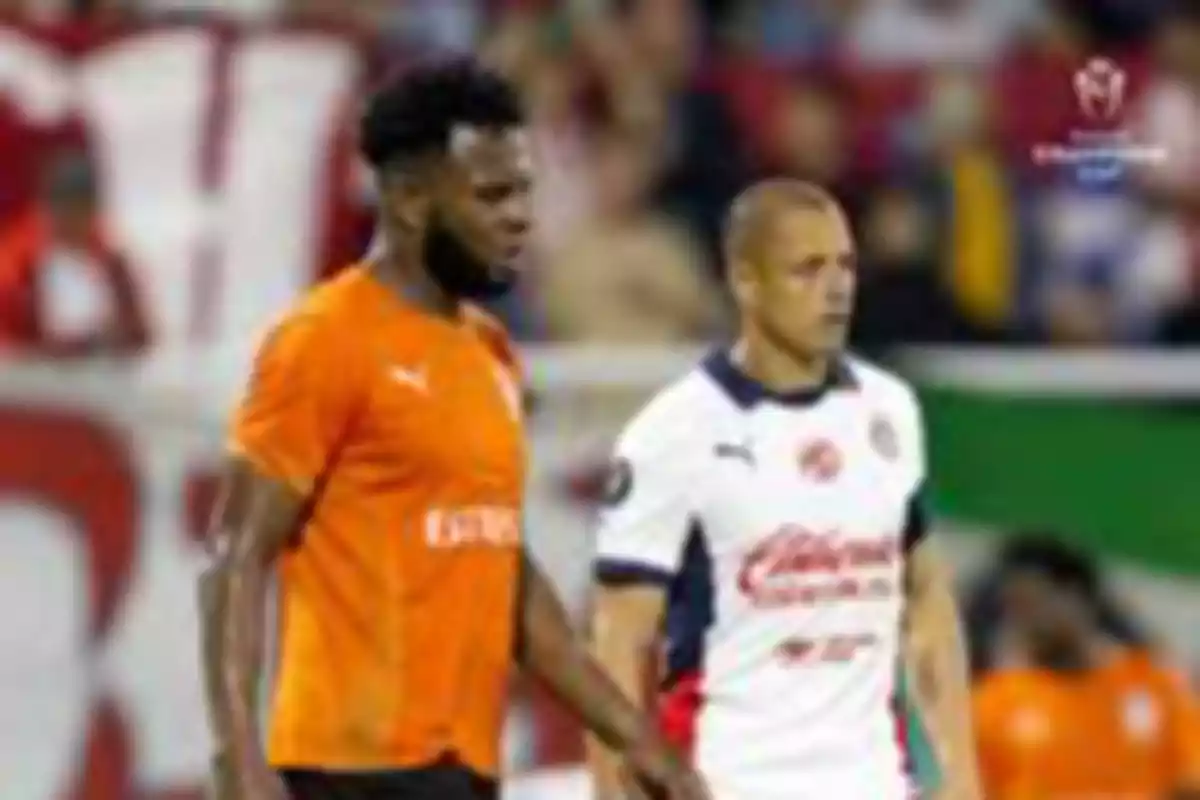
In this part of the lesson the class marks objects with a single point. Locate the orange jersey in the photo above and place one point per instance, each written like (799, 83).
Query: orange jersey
(397, 598)
(1125, 731)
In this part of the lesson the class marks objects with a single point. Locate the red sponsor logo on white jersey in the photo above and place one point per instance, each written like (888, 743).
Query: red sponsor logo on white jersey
(788, 567)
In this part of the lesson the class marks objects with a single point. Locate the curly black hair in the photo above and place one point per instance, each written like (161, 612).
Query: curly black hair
(1048, 555)
(413, 113)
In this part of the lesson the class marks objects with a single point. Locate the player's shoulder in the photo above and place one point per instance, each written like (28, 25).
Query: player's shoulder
(677, 415)
(344, 294)
(318, 320)
(1139, 665)
(1002, 690)
(878, 382)
(333, 299)
(492, 332)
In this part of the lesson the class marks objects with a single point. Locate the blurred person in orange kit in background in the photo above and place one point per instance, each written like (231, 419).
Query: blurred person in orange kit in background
(1071, 713)
(65, 287)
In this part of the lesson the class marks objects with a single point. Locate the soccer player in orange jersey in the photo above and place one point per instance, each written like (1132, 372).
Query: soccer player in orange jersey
(378, 464)
(1080, 715)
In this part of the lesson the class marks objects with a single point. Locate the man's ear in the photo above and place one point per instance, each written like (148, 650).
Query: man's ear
(742, 281)
(406, 199)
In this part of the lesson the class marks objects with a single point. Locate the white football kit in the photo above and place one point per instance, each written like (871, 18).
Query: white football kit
(780, 524)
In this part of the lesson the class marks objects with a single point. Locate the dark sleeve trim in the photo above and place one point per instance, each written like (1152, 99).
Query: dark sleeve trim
(618, 572)
(916, 522)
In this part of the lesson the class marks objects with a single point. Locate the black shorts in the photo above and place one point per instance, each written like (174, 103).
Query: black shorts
(442, 781)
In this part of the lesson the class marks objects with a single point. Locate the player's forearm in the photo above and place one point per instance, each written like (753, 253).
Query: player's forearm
(550, 648)
(937, 654)
(623, 651)
(233, 598)
(253, 519)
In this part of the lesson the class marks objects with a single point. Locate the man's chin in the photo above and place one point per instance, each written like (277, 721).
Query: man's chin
(494, 284)
(829, 347)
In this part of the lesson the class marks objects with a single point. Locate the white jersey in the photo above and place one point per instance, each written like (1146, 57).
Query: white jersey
(780, 524)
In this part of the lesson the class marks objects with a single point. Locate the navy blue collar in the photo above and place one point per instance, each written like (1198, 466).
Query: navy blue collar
(746, 392)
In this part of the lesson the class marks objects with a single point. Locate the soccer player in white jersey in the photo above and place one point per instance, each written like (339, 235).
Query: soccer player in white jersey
(764, 513)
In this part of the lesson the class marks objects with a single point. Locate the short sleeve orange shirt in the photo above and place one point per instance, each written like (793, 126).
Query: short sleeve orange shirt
(1126, 731)
(397, 597)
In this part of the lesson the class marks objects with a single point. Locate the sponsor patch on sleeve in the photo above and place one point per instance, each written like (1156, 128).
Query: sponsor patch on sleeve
(618, 482)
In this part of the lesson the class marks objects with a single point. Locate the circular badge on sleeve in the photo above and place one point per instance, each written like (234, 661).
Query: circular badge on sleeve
(884, 438)
(618, 482)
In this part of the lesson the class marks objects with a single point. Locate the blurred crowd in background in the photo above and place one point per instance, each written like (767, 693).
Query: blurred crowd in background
(923, 116)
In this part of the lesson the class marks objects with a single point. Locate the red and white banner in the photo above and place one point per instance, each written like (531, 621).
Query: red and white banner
(106, 479)
(227, 168)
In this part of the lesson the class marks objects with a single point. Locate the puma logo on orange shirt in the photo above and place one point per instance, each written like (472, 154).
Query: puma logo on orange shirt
(416, 378)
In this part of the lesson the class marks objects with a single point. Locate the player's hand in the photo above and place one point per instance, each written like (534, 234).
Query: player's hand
(955, 793)
(661, 774)
(245, 782)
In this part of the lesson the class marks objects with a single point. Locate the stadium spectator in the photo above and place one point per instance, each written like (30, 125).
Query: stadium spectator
(980, 204)
(541, 62)
(1070, 710)
(901, 296)
(629, 275)
(935, 31)
(650, 63)
(1172, 187)
(419, 27)
(814, 140)
(786, 31)
(65, 287)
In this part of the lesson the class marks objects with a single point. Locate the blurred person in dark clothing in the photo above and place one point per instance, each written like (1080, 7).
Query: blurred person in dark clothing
(65, 287)
(1182, 328)
(813, 139)
(649, 56)
(1070, 709)
(901, 297)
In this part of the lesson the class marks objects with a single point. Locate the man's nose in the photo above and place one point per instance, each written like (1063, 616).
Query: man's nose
(841, 287)
(517, 216)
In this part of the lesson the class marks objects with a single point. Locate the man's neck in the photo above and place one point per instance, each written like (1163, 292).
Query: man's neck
(778, 370)
(405, 275)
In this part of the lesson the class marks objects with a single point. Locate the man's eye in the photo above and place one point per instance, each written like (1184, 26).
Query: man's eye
(493, 194)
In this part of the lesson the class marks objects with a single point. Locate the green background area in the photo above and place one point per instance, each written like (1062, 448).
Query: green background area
(1119, 477)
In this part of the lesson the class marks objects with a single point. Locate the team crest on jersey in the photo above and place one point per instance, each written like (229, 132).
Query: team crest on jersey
(618, 482)
(820, 461)
(884, 438)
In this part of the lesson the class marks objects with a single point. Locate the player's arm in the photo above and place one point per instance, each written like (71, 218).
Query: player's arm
(641, 532)
(284, 436)
(254, 518)
(626, 621)
(936, 653)
(548, 647)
